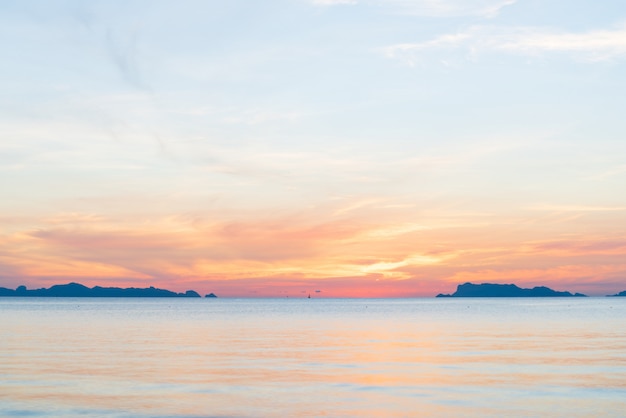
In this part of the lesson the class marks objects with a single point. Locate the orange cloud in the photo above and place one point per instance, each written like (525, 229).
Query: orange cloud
(591, 245)
(368, 250)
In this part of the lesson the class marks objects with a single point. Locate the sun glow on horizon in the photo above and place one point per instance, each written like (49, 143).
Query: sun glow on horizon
(330, 146)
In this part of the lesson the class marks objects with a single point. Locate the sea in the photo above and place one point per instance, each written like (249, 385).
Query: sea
(446, 357)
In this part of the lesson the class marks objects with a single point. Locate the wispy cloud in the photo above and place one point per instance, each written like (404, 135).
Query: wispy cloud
(575, 247)
(432, 8)
(123, 54)
(609, 173)
(333, 2)
(577, 208)
(449, 8)
(596, 45)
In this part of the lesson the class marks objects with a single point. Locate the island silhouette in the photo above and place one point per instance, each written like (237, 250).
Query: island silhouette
(622, 293)
(77, 290)
(491, 290)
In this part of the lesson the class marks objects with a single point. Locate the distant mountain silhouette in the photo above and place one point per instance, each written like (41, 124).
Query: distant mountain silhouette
(211, 295)
(77, 290)
(491, 290)
(623, 293)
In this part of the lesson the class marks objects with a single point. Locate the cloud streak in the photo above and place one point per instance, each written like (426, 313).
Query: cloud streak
(431, 8)
(333, 2)
(591, 46)
(449, 8)
(281, 253)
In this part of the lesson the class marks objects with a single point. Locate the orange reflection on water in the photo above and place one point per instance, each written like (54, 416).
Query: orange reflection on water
(303, 358)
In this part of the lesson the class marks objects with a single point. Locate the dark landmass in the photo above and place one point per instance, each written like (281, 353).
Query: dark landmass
(77, 290)
(211, 295)
(623, 293)
(490, 290)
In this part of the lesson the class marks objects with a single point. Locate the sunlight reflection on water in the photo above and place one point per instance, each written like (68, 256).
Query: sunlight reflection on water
(318, 357)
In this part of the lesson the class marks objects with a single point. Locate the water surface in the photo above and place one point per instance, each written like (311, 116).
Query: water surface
(312, 357)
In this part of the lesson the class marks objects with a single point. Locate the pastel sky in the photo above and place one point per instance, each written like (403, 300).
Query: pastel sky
(390, 148)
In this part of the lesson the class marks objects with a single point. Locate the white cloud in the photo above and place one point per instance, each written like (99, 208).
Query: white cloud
(609, 173)
(595, 45)
(409, 52)
(576, 208)
(448, 8)
(333, 2)
(598, 45)
(431, 8)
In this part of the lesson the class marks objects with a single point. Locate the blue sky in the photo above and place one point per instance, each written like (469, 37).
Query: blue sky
(124, 119)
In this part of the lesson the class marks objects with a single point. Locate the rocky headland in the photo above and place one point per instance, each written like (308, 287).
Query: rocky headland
(491, 290)
(623, 293)
(77, 290)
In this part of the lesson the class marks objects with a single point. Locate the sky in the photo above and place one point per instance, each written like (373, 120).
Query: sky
(342, 148)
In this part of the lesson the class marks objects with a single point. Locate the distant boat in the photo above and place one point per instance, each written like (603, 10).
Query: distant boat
(309, 296)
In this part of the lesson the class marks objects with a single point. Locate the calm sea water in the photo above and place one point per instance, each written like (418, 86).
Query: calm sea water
(312, 357)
